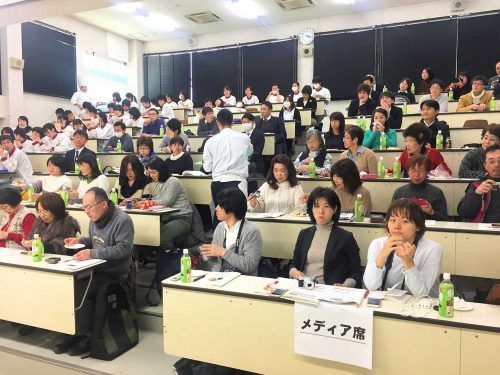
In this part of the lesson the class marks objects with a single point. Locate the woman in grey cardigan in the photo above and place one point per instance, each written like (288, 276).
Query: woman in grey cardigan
(237, 242)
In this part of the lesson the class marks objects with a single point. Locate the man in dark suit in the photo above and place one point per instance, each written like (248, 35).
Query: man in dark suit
(257, 140)
(430, 111)
(80, 139)
(207, 125)
(267, 123)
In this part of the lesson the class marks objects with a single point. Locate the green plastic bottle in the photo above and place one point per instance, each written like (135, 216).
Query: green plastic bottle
(31, 192)
(65, 197)
(162, 131)
(396, 168)
(492, 104)
(113, 196)
(439, 140)
(99, 164)
(311, 169)
(450, 94)
(363, 123)
(119, 146)
(412, 89)
(359, 209)
(37, 248)
(77, 168)
(383, 141)
(405, 109)
(186, 267)
(446, 296)
(384, 89)
(381, 168)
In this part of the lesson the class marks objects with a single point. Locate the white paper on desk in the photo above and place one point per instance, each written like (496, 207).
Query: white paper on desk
(77, 264)
(212, 278)
(335, 333)
(6, 251)
(486, 226)
(265, 215)
(430, 222)
(333, 294)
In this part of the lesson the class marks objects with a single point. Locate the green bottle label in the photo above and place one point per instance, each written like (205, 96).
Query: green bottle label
(439, 141)
(446, 296)
(312, 169)
(359, 215)
(396, 170)
(186, 269)
(381, 169)
(383, 141)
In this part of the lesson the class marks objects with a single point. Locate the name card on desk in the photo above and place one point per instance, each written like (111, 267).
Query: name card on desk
(335, 333)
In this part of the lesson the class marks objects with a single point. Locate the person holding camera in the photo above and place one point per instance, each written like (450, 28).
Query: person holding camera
(461, 86)
(324, 251)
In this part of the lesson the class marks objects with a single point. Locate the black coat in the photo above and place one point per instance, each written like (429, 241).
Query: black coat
(257, 140)
(207, 128)
(69, 158)
(341, 259)
(312, 104)
(277, 126)
(365, 110)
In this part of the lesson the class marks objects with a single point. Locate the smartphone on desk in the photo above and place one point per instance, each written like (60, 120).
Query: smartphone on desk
(373, 302)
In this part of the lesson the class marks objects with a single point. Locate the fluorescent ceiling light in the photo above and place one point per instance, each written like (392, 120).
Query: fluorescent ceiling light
(128, 7)
(9, 2)
(344, 2)
(245, 8)
(157, 21)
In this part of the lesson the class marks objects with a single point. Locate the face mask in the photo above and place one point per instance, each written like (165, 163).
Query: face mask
(316, 86)
(286, 105)
(118, 134)
(181, 97)
(295, 89)
(247, 126)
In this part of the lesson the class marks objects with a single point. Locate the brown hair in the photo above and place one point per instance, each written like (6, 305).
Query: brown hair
(292, 174)
(419, 160)
(53, 203)
(410, 210)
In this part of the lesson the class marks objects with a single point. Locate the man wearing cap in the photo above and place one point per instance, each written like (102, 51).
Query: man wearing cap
(81, 96)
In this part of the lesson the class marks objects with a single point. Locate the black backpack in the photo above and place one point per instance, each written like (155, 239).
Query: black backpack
(114, 329)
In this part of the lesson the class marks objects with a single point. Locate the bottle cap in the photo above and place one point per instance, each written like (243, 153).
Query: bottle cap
(381, 158)
(397, 158)
(439, 131)
(446, 276)
(359, 196)
(185, 252)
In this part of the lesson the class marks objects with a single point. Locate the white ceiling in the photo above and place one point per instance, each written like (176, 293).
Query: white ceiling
(126, 24)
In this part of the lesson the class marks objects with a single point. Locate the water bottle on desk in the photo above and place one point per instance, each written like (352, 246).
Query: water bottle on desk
(381, 168)
(450, 94)
(446, 297)
(113, 196)
(396, 168)
(31, 192)
(405, 108)
(186, 267)
(412, 89)
(359, 209)
(311, 169)
(119, 146)
(439, 140)
(383, 141)
(492, 104)
(37, 248)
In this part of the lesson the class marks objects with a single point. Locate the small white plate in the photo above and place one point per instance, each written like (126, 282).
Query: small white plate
(76, 246)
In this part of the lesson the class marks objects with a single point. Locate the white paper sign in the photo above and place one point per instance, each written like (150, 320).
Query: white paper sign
(335, 332)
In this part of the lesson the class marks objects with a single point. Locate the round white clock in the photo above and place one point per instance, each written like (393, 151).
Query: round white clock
(306, 36)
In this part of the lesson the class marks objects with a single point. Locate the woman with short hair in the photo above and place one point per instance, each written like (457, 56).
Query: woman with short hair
(16, 221)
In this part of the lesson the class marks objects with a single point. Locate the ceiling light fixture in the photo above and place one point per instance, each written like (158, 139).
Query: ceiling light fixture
(245, 8)
(344, 2)
(128, 7)
(157, 21)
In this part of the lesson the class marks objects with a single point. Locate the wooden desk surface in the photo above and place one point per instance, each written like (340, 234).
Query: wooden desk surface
(262, 330)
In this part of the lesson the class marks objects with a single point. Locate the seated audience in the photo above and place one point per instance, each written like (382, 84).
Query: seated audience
(174, 128)
(53, 224)
(227, 98)
(404, 94)
(394, 113)
(133, 100)
(132, 179)
(478, 99)
(23, 124)
(375, 91)
(104, 129)
(472, 165)
(14, 160)
(437, 94)
(56, 180)
(334, 137)
(347, 185)
(207, 125)
(90, 176)
(325, 251)
(377, 128)
(80, 139)
(38, 141)
(404, 259)
(281, 192)
(153, 125)
(481, 202)
(120, 134)
(494, 81)
(296, 94)
(320, 92)
(416, 138)
(79, 125)
(166, 106)
(308, 102)
(185, 102)
(430, 111)
(22, 141)
(430, 198)
(256, 160)
(16, 220)
(425, 84)
(111, 237)
(365, 159)
(274, 95)
(237, 242)
(289, 113)
(316, 153)
(363, 105)
(145, 105)
(461, 86)
(8, 131)
(145, 151)
(249, 98)
(136, 120)
(179, 161)
(270, 124)
(56, 142)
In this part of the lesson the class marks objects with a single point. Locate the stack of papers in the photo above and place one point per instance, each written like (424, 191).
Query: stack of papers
(346, 216)
(266, 215)
(76, 265)
(326, 293)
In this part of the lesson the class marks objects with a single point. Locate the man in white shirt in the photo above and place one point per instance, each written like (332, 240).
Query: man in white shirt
(226, 156)
(14, 160)
(82, 95)
(58, 142)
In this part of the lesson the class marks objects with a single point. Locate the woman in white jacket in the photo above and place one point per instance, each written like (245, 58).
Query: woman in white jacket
(281, 192)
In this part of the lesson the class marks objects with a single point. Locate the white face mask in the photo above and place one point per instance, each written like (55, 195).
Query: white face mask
(316, 86)
(247, 126)
(286, 105)
(295, 89)
(118, 134)
(181, 97)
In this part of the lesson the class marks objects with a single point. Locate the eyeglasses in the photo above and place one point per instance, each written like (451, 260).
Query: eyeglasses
(143, 148)
(492, 161)
(42, 212)
(89, 206)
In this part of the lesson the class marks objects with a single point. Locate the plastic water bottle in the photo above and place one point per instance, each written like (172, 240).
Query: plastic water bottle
(405, 109)
(439, 140)
(113, 196)
(396, 168)
(31, 192)
(492, 104)
(446, 296)
(65, 197)
(381, 168)
(359, 209)
(77, 168)
(186, 267)
(98, 164)
(447, 144)
(412, 89)
(162, 131)
(450, 94)
(363, 123)
(384, 89)
(119, 146)
(311, 169)
(383, 141)
(37, 248)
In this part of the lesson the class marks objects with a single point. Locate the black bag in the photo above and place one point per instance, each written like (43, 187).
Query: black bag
(114, 330)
